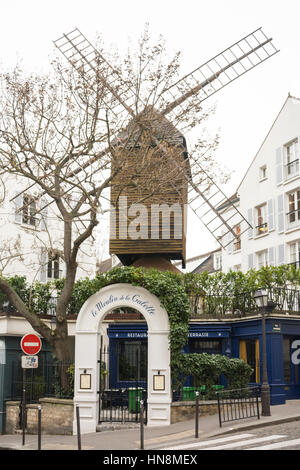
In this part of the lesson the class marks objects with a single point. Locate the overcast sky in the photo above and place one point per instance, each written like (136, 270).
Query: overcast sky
(200, 29)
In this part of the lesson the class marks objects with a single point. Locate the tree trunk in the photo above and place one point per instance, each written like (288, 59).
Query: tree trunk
(61, 353)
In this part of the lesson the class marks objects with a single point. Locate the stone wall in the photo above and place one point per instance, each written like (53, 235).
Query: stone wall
(57, 416)
(12, 417)
(184, 410)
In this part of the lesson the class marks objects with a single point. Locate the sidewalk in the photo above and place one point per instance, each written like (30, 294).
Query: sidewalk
(155, 437)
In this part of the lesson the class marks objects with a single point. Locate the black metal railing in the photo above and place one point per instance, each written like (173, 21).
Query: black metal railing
(122, 405)
(120, 394)
(50, 379)
(189, 393)
(261, 228)
(238, 305)
(293, 217)
(296, 264)
(292, 168)
(242, 403)
(43, 307)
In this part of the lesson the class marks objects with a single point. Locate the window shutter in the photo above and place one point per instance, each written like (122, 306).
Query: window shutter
(279, 165)
(44, 265)
(250, 261)
(18, 204)
(271, 219)
(298, 155)
(230, 238)
(271, 256)
(280, 254)
(280, 205)
(250, 220)
(44, 213)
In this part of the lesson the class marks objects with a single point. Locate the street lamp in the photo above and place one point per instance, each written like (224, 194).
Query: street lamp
(264, 305)
(53, 324)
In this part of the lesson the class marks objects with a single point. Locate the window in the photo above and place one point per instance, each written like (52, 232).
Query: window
(295, 253)
(131, 361)
(292, 163)
(262, 259)
(29, 211)
(261, 219)
(53, 266)
(263, 172)
(237, 241)
(218, 261)
(294, 207)
(200, 346)
(237, 267)
(249, 352)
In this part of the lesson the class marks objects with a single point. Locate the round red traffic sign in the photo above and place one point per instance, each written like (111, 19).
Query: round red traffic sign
(31, 344)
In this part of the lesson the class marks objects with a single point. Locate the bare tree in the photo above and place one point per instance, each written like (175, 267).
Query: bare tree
(68, 137)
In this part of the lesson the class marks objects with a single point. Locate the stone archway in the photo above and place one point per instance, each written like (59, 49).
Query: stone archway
(87, 344)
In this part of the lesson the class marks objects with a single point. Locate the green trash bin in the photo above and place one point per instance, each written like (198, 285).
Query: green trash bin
(135, 395)
(201, 391)
(218, 387)
(188, 393)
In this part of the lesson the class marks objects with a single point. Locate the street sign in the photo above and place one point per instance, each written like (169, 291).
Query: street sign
(30, 362)
(31, 344)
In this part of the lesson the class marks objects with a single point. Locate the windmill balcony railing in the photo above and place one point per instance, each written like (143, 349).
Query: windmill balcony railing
(241, 305)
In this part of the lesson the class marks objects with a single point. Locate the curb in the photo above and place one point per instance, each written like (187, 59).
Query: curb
(258, 425)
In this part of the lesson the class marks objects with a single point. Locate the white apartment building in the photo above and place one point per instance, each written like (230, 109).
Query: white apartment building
(269, 198)
(31, 242)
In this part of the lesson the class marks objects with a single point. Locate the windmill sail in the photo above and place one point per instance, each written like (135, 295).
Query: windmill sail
(89, 63)
(216, 73)
(208, 202)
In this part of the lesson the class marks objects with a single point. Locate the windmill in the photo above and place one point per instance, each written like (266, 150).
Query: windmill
(189, 182)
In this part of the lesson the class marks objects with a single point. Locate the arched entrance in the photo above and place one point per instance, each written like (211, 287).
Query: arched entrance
(87, 344)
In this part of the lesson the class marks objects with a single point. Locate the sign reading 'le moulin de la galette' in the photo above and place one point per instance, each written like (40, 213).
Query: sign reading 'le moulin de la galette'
(135, 301)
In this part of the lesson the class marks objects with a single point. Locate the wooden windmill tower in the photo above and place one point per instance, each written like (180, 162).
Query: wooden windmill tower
(187, 182)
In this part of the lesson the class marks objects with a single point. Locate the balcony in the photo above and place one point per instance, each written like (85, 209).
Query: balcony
(261, 229)
(292, 169)
(296, 264)
(240, 305)
(237, 245)
(54, 273)
(40, 307)
(293, 219)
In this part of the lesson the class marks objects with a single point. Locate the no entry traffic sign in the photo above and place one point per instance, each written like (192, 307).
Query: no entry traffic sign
(31, 344)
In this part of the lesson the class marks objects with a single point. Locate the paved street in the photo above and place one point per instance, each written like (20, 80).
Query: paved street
(282, 436)
(284, 422)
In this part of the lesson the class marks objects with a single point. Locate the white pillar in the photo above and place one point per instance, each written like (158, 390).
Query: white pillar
(86, 369)
(159, 401)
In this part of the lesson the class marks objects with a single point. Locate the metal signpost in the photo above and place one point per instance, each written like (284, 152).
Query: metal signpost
(31, 345)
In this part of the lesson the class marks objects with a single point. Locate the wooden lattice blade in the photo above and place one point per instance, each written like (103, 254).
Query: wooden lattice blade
(90, 64)
(216, 73)
(216, 211)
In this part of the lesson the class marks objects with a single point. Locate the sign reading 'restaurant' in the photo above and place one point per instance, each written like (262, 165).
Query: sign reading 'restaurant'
(135, 300)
